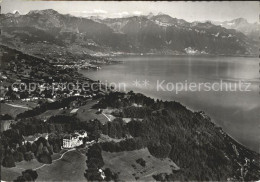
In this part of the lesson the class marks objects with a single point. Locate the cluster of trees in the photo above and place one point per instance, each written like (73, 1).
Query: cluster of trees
(11, 148)
(5, 117)
(192, 141)
(113, 99)
(141, 161)
(136, 112)
(14, 149)
(30, 126)
(44, 151)
(124, 145)
(168, 129)
(63, 103)
(55, 124)
(95, 163)
(59, 123)
(160, 150)
(115, 129)
(121, 100)
(15, 152)
(125, 100)
(27, 175)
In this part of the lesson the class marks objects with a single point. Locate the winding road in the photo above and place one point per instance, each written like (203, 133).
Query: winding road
(55, 159)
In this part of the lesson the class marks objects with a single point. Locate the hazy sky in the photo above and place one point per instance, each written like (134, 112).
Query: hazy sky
(189, 11)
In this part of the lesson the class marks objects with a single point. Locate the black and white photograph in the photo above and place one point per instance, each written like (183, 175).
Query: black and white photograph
(129, 91)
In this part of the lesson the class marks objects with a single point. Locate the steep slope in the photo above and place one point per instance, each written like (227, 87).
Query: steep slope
(202, 150)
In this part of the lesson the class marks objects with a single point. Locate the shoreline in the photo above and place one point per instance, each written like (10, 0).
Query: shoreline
(93, 80)
(115, 54)
(193, 110)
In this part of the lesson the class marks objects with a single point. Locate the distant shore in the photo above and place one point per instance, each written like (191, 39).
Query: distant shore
(213, 119)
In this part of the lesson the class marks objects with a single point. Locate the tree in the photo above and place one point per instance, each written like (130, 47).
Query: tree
(45, 150)
(27, 175)
(33, 174)
(160, 150)
(39, 150)
(16, 156)
(28, 156)
(110, 176)
(5, 117)
(34, 147)
(44, 158)
(105, 129)
(56, 146)
(95, 135)
(50, 149)
(20, 179)
(93, 174)
(28, 146)
(8, 161)
(20, 157)
(22, 149)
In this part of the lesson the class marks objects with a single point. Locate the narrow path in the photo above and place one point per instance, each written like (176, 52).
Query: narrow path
(20, 106)
(55, 159)
(106, 116)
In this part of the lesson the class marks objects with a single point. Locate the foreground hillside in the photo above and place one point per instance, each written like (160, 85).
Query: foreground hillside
(202, 150)
(159, 34)
(142, 132)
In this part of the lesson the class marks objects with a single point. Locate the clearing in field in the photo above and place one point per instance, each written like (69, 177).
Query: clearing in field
(86, 113)
(12, 110)
(49, 113)
(16, 107)
(128, 169)
(10, 174)
(70, 168)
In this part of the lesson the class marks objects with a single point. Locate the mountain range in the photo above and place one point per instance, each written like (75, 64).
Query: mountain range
(153, 34)
(242, 25)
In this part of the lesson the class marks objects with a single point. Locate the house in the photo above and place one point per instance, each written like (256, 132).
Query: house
(33, 138)
(102, 174)
(27, 72)
(74, 140)
(74, 111)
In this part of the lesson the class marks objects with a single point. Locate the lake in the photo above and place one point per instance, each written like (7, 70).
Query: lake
(236, 111)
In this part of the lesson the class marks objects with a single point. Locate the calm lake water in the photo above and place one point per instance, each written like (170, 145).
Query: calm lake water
(237, 112)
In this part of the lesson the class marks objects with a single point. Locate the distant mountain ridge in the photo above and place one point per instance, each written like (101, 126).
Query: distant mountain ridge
(240, 24)
(137, 34)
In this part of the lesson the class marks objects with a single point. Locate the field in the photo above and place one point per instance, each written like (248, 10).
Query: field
(70, 167)
(106, 138)
(13, 109)
(86, 113)
(5, 124)
(124, 163)
(47, 114)
(9, 174)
